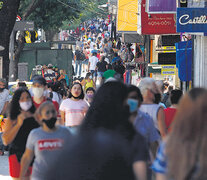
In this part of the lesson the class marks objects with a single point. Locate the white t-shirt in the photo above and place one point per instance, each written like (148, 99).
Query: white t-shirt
(4, 97)
(93, 61)
(74, 111)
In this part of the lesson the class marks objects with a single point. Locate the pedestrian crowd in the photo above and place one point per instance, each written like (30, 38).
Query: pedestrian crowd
(116, 131)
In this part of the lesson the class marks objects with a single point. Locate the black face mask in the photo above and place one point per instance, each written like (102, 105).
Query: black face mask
(50, 122)
(1, 89)
(76, 97)
(157, 98)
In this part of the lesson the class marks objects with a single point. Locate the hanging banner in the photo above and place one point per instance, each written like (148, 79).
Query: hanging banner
(127, 16)
(192, 20)
(184, 60)
(161, 6)
(156, 23)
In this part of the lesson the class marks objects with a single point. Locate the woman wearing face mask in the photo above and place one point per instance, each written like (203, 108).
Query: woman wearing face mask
(74, 108)
(45, 143)
(18, 126)
(88, 82)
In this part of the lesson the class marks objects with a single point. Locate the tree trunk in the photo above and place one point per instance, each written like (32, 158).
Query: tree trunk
(20, 41)
(50, 35)
(8, 13)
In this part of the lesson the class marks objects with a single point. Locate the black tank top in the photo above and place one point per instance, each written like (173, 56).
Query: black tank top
(19, 143)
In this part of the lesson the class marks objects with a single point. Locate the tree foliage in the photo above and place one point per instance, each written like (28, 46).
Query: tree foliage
(89, 10)
(51, 14)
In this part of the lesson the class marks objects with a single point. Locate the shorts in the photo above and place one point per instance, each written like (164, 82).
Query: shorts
(100, 74)
(14, 167)
(94, 73)
(85, 61)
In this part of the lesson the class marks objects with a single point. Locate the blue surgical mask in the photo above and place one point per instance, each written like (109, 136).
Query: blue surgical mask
(133, 105)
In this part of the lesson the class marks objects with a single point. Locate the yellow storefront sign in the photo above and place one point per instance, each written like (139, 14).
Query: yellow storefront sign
(127, 16)
(168, 70)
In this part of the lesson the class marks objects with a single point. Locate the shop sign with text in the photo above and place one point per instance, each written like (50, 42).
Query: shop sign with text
(156, 23)
(168, 70)
(161, 6)
(192, 20)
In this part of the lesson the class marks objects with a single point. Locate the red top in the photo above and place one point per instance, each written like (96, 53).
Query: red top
(54, 102)
(169, 117)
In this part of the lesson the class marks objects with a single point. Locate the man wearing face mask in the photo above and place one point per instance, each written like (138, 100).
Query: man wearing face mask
(37, 91)
(149, 89)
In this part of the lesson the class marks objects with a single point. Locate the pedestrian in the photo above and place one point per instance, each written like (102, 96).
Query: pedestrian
(109, 111)
(63, 75)
(98, 155)
(143, 124)
(4, 97)
(89, 95)
(88, 82)
(74, 108)
(92, 65)
(49, 74)
(4, 101)
(101, 67)
(160, 165)
(148, 89)
(119, 68)
(78, 61)
(18, 126)
(38, 89)
(44, 143)
(170, 112)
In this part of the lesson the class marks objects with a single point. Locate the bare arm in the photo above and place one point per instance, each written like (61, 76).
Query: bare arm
(5, 108)
(140, 170)
(25, 161)
(62, 120)
(160, 176)
(161, 122)
(11, 129)
(89, 66)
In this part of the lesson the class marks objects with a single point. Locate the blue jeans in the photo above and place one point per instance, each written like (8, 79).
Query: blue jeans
(78, 63)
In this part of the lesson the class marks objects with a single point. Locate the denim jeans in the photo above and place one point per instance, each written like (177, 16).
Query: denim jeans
(78, 63)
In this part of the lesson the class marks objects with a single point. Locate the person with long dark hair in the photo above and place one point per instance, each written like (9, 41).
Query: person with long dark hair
(18, 126)
(109, 111)
(74, 108)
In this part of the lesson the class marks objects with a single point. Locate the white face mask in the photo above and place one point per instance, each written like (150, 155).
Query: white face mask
(25, 106)
(38, 92)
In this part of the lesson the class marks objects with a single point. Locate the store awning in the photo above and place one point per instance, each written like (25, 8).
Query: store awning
(154, 68)
(132, 38)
